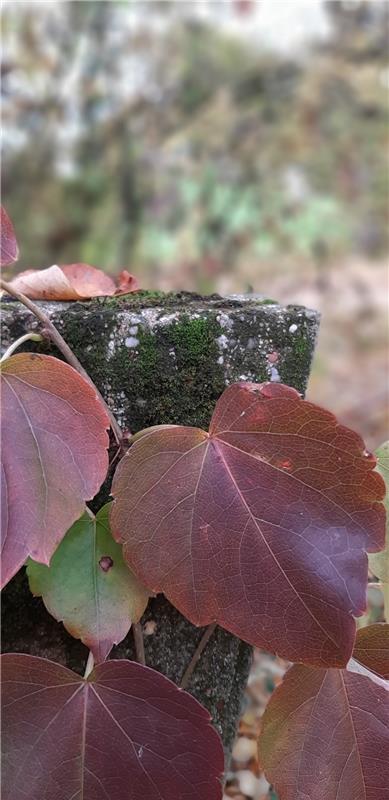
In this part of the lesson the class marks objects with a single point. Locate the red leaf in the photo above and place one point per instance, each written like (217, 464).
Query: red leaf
(72, 282)
(127, 733)
(9, 250)
(372, 648)
(54, 455)
(260, 525)
(325, 735)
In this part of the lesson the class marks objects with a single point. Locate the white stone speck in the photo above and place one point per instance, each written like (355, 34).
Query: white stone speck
(274, 374)
(131, 341)
(224, 320)
(166, 319)
(293, 328)
(222, 341)
(220, 360)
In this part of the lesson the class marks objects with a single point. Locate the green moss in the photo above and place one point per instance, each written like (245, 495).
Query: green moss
(246, 350)
(151, 299)
(172, 376)
(178, 369)
(88, 336)
(300, 346)
(193, 338)
(139, 299)
(297, 358)
(147, 355)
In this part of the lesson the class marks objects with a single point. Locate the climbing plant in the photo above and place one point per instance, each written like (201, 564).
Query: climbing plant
(261, 525)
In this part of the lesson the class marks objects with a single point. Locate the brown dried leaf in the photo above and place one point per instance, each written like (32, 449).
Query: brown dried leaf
(72, 282)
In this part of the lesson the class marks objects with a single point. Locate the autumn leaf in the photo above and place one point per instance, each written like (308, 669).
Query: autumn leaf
(9, 251)
(372, 648)
(379, 562)
(325, 733)
(72, 282)
(126, 733)
(260, 525)
(88, 586)
(54, 455)
(126, 282)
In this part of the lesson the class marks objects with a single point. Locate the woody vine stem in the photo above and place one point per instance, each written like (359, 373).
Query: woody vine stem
(52, 333)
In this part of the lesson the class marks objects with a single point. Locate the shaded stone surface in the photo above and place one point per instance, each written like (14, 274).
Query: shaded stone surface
(164, 359)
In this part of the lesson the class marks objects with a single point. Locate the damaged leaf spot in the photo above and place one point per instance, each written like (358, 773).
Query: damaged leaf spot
(106, 563)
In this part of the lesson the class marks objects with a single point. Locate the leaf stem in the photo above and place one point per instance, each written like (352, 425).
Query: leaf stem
(139, 643)
(197, 655)
(90, 513)
(34, 337)
(66, 351)
(89, 665)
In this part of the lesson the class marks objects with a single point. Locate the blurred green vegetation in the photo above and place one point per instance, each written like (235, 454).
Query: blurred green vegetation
(179, 149)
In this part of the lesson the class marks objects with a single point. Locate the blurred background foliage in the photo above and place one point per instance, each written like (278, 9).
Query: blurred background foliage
(150, 135)
(215, 146)
(225, 146)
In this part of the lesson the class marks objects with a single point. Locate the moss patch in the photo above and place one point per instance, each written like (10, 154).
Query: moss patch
(186, 348)
(297, 346)
(172, 375)
(141, 299)
(87, 335)
(152, 299)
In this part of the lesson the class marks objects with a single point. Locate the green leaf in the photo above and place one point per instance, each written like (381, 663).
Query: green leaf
(88, 586)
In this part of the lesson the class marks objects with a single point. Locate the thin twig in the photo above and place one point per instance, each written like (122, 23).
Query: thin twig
(115, 457)
(34, 337)
(197, 655)
(89, 664)
(139, 643)
(59, 341)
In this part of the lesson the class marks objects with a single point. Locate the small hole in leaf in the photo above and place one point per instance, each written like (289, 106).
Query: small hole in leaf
(106, 563)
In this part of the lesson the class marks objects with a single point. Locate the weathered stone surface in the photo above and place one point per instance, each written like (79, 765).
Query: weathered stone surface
(167, 359)
(159, 359)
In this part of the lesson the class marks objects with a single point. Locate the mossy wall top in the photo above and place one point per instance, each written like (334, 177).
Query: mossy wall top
(166, 358)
